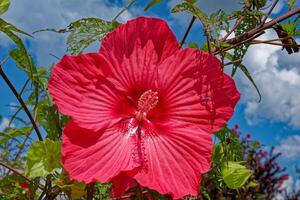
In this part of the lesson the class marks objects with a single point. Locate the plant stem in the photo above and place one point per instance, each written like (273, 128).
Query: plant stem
(19, 98)
(233, 28)
(272, 43)
(19, 174)
(124, 9)
(233, 62)
(90, 188)
(260, 29)
(187, 30)
(270, 11)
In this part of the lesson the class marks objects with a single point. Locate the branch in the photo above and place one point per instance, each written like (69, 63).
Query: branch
(270, 11)
(233, 28)
(19, 174)
(124, 9)
(187, 30)
(237, 44)
(90, 189)
(265, 26)
(233, 62)
(273, 43)
(19, 98)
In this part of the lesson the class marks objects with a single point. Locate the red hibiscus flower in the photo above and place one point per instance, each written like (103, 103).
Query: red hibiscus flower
(142, 108)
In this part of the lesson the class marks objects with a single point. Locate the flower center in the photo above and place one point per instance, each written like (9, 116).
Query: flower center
(147, 101)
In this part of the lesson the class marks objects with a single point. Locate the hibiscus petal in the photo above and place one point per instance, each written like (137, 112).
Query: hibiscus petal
(99, 156)
(194, 89)
(79, 90)
(134, 50)
(177, 154)
(121, 184)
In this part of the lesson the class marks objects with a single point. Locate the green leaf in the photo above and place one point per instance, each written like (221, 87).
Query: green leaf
(290, 27)
(235, 175)
(84, 32)
(4, 5)
(291, 4)
(248, 75)
(74, 189)
(193, 45)
(43, 158)
(20, 55)
(22, 59)
(152, 3)
(189, 7)
(13, 133)
(6, 25)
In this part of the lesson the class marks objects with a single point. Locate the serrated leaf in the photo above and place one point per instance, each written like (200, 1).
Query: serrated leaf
(152, 3)
(235, 175)
(4, 5)
(189, 7)
(84, 32)
(43, 158)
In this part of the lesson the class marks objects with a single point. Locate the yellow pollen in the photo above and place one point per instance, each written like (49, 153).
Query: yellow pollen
(147, 101)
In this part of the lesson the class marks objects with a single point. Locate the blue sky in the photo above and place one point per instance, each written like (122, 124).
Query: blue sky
(275, 121)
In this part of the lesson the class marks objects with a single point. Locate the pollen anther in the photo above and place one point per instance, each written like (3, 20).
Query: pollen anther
(147, 101)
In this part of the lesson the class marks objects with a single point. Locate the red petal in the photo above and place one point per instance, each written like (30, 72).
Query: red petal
(122, 183)
(134, 50)
(99, 156)
(194, 89)
(177, 154)
(79, 90)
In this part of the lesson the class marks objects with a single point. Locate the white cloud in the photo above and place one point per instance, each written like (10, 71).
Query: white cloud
(278, 79)
(290, 147)
(289, 186)
(32, 15)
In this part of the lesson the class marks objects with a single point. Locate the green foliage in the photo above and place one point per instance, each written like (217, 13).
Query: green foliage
(103, 191)
(84, 32)
(4, 5)
(74, 189)
(10, 188)
(290, 28)
(152, 3)
(244, 69)
(43, 158)
(20, 55)
(235, 175)
(12, 133)
(291, 3)
(193, 45)
(191, 8)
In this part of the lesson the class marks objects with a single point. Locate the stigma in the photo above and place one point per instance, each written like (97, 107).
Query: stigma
(147, 101)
